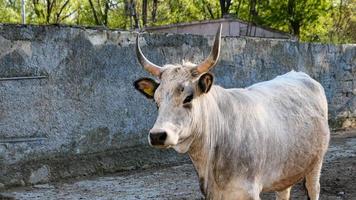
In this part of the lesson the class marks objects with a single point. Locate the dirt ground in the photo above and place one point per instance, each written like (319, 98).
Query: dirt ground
(338, 181)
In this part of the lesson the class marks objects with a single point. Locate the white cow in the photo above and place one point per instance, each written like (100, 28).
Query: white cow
(242, 141)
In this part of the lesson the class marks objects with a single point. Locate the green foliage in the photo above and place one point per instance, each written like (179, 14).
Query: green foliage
(119, 18)
(51, 11)
(177, 11)
(10, 11)
(311, 20)
(343, 22)
(293, 15)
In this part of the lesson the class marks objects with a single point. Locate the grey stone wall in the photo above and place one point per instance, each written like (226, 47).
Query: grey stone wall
(79, 113)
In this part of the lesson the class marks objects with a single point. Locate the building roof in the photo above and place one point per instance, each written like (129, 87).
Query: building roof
(189, 26)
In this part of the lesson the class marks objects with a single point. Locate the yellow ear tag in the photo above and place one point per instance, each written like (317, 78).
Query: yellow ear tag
(147, 87)
(148, 90)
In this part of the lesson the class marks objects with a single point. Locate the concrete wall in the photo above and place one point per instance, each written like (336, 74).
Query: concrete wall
(79, 114)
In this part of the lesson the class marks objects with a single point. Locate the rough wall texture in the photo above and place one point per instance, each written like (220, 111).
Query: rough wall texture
(80, 114)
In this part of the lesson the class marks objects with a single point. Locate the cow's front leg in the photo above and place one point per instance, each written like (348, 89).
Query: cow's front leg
(284, 194)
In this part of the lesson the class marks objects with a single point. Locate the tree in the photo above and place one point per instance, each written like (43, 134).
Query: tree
(225, 6)
(50, 11)
(144, 12)
(344, 18)
(296, 13)
(10, 11)
(154, 10)
(209, 9)
(100, 10)
(134, 14)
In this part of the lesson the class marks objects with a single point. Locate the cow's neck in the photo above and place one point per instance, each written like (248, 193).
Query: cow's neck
(197, 154)
(199, 157)
(199, 149)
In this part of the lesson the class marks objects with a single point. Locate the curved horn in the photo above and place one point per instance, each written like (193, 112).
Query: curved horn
(147, 65)
(213, 57)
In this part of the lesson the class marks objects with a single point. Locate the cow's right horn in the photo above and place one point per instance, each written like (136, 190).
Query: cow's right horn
(147, 65)
(213, 57)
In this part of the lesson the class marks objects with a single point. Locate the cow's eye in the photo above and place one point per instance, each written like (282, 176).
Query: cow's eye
(188, 99)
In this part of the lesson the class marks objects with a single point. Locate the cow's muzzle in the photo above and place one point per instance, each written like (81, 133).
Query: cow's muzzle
(158, 138)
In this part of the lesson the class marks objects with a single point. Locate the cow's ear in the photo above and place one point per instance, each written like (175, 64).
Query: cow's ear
(146, 86)
(205, 82)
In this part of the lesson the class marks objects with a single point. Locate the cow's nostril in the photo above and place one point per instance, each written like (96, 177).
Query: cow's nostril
(163, 136)
(158, 138)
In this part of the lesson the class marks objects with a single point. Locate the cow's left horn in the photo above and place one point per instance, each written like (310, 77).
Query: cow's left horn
(211, 61)
(147, 65)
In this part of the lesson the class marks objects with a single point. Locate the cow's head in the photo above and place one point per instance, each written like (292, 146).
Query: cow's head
(176, 95)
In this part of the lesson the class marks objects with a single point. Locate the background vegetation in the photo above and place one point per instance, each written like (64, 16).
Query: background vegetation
(327, 21)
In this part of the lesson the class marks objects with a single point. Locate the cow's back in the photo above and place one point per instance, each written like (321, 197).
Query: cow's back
(293, 88)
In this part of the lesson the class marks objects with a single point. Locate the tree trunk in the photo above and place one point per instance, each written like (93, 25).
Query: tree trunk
(134, 14)
(238, 8)
(225, 6)
(94, 12)
(49, 10)
(106, 13)
(295, 27)
(253, 10)
(154, 10)
(144, 13)
(210, 10)
(251, 16)
(294, 23)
